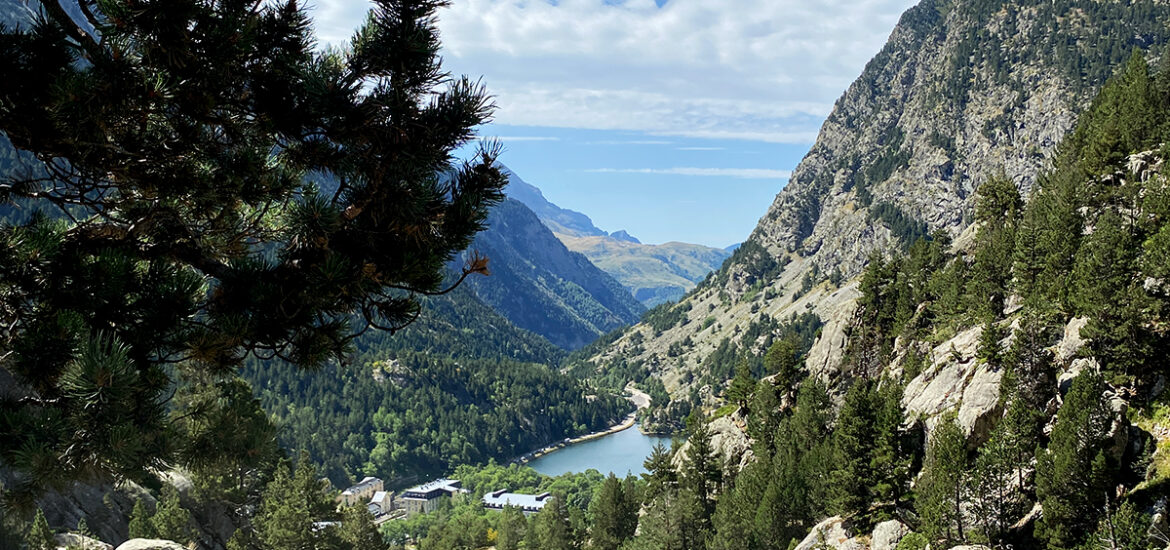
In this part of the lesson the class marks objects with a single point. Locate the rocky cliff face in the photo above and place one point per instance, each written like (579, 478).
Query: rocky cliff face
(963, 90)
(541, 286)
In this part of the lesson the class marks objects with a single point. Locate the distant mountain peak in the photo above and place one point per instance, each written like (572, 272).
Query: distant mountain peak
(653, 274)
(622, 235)
(559, 220)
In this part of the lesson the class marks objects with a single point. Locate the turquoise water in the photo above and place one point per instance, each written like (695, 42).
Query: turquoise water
(620, 453)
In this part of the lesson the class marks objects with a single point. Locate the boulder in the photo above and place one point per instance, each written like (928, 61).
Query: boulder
(73, 540)
(887, 534)
(1071, 342)
(1119, 431)
(1075, 368)
(150, 544)
(729, 442)
(832, 533)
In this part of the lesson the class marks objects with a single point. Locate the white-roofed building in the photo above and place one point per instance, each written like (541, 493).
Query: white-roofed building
(529, 504)
(381, 503)
(425, 498)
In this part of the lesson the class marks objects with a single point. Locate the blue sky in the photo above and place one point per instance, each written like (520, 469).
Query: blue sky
(673, 119)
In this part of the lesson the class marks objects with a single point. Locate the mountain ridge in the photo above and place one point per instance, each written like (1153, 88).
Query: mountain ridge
(542, 286)
(653, 273)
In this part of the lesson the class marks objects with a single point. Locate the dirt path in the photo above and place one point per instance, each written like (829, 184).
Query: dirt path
(638, 397)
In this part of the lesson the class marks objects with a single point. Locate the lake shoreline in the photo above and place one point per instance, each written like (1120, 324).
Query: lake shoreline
(640, 400)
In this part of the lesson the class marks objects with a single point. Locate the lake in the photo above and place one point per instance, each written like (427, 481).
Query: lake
(619, 453)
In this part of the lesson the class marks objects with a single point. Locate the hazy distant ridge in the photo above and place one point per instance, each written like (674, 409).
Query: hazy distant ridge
(652, 273)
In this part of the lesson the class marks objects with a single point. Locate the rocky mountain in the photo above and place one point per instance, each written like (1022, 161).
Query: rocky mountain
(624, 236)
(652, 273)
(542, 286)
(962, 91)
(561, 221)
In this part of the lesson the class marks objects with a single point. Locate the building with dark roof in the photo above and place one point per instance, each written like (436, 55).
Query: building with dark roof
(425, 498)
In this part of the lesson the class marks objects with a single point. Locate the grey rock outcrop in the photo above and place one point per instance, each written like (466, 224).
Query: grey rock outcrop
(82, 542)
(729, 444)
(887, 534)
(150, 544)
(104, 506)
(824, 358)
(1071, 342)
(956, 381)
(834, 533)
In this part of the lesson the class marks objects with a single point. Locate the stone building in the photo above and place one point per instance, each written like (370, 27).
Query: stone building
(360, 493)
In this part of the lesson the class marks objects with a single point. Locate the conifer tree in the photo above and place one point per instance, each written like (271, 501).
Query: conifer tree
(1107, 293)
(229, 443)
(891, 458)
(995, 504)
(941, 489)
(1047, 246)
(1031, 365)
(171, 521)
(241, 540)
(357, 529)
(512, 529)
(852, 450)
(140, 524)
(736, 511)
(702, 472)
(1124, 529)
(1121, 120)
(1073, 474)
(291, 503)
(611, 512)
(996, 210)
(204, 165)
(740, 391)
(670, 523)
(765, 414)
(40, 536)
(784, 506)
(1019, 430)
(783, 361)
(551, 529)
(660, 475)
(808, 430)
(990, 351)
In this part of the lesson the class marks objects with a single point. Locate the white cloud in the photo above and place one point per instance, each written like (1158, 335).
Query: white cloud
(765, 70)
(630, 142)
(524, 138)
(701, 148)
(742, 173)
